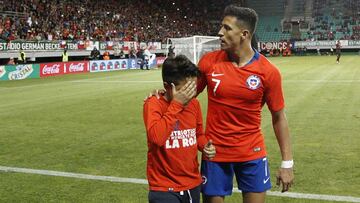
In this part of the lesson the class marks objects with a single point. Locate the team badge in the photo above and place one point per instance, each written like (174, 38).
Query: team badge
(253, 82)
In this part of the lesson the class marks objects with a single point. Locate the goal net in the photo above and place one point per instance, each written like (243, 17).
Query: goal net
(193, 47)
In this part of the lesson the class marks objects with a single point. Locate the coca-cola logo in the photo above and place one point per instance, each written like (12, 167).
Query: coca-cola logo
(51, 69)
(76, 67)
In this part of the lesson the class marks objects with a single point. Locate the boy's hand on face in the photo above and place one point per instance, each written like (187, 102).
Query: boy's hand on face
(185, 94)
(209, 150)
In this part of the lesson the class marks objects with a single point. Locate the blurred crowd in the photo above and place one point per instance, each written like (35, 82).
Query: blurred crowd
(337, 18)
(131, 20)
(151, 20)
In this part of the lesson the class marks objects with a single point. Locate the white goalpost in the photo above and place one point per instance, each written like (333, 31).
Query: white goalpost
(193, 47)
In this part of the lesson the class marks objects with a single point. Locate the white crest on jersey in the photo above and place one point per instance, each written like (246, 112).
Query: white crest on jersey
(253, 82)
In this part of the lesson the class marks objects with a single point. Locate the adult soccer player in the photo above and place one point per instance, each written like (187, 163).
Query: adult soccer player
(338, 51)
(239, 82)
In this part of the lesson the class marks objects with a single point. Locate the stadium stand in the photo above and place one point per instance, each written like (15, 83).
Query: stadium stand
(307, 19)
(270, 15)
(157, 20)
(338, 20)
(152, 20)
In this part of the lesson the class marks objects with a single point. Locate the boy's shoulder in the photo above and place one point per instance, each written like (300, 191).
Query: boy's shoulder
(153, 100)
(194, 103)
(195, 100)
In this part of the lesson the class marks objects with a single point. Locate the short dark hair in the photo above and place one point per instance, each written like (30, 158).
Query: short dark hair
(246, 16)
(178, 69)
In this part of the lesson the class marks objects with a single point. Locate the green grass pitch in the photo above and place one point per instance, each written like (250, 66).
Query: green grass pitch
(92, 124)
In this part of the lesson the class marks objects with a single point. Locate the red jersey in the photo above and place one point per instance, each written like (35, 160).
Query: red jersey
(236, 96)
(174, 135)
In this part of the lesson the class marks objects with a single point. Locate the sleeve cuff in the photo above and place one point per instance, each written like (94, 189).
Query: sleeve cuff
(201, 143)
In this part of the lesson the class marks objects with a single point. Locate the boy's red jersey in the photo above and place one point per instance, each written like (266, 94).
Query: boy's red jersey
(174, 135)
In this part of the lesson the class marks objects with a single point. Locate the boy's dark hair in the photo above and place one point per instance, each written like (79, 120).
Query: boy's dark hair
(178, 69)
(246, 16)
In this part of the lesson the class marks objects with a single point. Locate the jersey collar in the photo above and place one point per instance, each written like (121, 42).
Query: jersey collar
(254, 58)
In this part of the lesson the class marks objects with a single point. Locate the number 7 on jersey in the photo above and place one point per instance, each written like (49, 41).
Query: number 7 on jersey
(217, 81)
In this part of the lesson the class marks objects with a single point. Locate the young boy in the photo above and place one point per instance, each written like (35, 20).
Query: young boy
(175, 133)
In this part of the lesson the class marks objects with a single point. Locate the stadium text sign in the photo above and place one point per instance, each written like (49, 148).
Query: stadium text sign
(345, 44)
(354, 43)
(273, 45)
(75, 45)
(19, 72)
(47, 46)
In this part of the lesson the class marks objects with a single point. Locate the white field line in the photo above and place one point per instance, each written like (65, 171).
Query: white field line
(321, 81)
(144, 181)
(157, 81)
(285, 81)
(119, 81)
(69, 81)
(73, 175)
